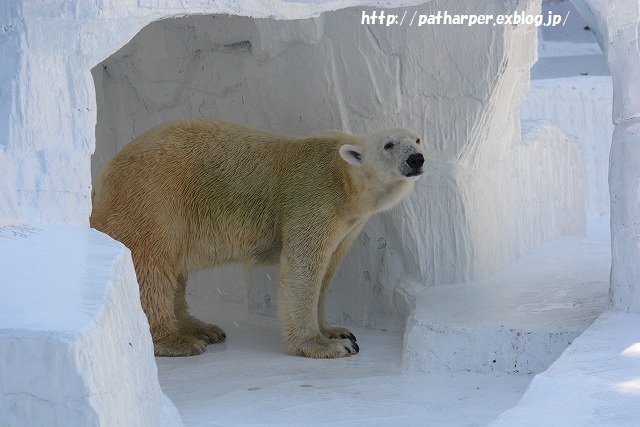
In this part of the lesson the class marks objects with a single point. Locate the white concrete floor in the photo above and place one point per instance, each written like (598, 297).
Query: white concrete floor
(251, 380)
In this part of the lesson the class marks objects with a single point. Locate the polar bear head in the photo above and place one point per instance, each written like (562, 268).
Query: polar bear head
(395, 154)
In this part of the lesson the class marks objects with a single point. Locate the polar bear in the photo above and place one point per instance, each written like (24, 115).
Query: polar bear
(198, 193)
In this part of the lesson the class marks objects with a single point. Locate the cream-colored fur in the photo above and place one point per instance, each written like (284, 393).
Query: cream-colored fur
(194, 194)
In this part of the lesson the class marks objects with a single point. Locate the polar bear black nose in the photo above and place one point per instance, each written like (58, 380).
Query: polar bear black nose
(415, 160)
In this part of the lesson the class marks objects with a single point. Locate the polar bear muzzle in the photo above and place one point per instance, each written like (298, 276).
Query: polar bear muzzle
(415, 162)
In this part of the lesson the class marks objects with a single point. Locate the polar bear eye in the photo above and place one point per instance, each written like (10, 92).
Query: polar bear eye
(388, 146)
(418, 141)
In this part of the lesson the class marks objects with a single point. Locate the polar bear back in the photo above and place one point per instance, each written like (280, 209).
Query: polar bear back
(196, 181)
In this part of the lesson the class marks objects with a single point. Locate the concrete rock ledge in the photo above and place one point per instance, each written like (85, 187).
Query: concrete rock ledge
(74, 341)
(517, 321)
(596, 381)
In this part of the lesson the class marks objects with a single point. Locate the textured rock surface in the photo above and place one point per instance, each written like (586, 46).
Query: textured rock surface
(74, 342)
(48, 105)
(520, 319)
(581, 107)
(303, 77)
(571, 87)
(616, 26)
(461, 86)
(596, 381)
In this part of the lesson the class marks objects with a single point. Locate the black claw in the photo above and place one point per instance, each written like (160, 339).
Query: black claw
(352, 337)
(356, 347)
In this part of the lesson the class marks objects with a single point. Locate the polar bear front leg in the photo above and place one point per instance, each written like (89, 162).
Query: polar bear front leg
(334, 264)
(301, 272)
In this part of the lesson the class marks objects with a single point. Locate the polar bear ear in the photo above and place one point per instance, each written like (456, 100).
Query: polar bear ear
(351, 154)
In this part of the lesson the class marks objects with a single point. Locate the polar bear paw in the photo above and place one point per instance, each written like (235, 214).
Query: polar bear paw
(175, 345)
(334, 333)
(211, 334)
(321, 347)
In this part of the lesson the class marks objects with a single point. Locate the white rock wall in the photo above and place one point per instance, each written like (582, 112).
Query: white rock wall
(74, 344)
(48, 107)
(302, 77)
(464, 89)
(616, 29)
(452, 84)
(71, 363)
(413, 87)
(581, 107)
